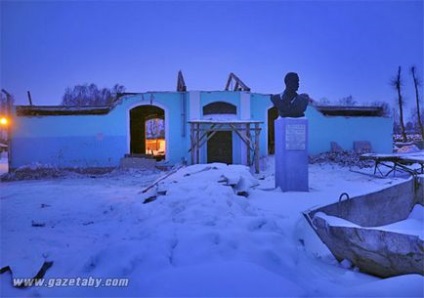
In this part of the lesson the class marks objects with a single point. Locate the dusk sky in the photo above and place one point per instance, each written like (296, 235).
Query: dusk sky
(338, 48)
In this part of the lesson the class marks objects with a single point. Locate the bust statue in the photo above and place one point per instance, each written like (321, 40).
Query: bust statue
(289, 103)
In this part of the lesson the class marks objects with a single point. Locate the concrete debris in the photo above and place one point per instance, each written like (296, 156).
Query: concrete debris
(342, 158)
(43, 171)
(361, 147)
(335, 148)
(138, 163)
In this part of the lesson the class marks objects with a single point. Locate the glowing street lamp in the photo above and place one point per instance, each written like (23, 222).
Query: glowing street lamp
(4, 121)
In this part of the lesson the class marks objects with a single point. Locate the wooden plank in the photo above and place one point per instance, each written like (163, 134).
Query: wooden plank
(192, 143)
(248, 144)
(202, 134)
(197, 144)
(257, 132)
(212, 133)
(203, 130)
(203, 121)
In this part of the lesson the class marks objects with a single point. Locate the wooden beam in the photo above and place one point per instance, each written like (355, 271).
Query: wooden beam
(29, 98)
(203, 130)
(197, 142)
(192, 142)
(248, 144)
(181, 86)
(257, 132)
(238, 83)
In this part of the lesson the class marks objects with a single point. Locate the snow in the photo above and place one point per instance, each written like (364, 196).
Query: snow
(218, 117)
(335, 221)
(413, 225)
(213, 230)
(407, 154)
(224, 118)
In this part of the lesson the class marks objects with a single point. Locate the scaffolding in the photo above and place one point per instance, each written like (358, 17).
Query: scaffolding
(248, 131)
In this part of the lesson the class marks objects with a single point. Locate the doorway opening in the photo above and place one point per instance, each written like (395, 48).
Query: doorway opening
(220, 147)
(147, 132)
(272, 115)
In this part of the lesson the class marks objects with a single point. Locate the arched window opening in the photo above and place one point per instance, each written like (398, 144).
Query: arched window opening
(219, 107)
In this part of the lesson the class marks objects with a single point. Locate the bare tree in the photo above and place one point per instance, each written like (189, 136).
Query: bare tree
(417, 83)
(414, 118)
(324, 101)
(397, 84)
(386, 110)
(6, 103)
(91, 95)
(347, 101)
(3, 104)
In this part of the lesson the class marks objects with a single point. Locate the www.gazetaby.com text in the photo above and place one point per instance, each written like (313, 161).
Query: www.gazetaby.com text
(71, 282)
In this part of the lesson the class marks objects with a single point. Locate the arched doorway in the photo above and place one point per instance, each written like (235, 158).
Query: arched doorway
(147, 131)
(220, 145)
(272, 115)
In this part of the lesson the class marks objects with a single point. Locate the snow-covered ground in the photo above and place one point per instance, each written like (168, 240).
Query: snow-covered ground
(199, 238)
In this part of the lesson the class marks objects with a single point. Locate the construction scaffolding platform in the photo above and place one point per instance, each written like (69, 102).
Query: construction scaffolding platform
(248, 131)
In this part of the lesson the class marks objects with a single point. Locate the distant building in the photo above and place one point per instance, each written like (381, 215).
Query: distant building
(102, 136)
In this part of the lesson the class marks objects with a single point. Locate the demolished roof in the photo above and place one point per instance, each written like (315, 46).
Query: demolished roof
(60, 110)
(365, 111)
(238, 84)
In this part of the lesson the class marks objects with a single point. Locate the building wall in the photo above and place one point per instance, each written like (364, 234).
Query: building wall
(177, 134)
(259, 105)
(102, 140)
(207, 97)
(345, 130)
(94, 140)
(242, 100)
(326, 129)
(60, 140)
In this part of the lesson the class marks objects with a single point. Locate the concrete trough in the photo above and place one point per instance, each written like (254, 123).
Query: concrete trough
(356, 229)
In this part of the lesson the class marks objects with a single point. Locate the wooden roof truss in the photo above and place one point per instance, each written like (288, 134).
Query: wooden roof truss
(181, 86)
(235, 84)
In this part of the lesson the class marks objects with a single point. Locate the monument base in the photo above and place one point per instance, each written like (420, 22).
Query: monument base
(291, 154)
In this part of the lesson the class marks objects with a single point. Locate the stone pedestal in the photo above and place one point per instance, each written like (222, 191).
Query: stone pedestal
(291, 154)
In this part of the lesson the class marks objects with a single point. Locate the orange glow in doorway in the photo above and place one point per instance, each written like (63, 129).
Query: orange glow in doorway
(155, 147)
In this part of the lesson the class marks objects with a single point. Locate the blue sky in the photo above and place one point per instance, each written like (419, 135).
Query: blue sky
(339, 48)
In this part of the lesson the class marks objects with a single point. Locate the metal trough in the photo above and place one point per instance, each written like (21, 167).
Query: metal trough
(373, 250)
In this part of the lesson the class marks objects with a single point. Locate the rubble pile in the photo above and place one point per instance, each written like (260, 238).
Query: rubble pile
(39, 171)
(342, 158)
(33, 172)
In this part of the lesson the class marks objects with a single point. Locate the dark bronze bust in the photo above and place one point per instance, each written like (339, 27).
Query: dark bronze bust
(291, 104)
